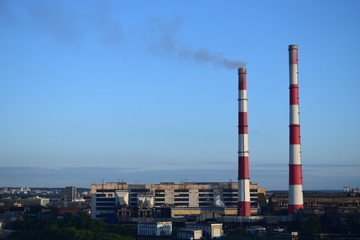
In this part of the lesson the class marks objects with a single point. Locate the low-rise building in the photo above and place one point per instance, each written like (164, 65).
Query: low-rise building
(209, 230)
(188, 234)
(279, 201)
(258, 231)
(24, 202)
(154, 229)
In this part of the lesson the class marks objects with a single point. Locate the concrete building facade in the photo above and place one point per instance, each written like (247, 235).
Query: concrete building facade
(209, 231)
(108, 198)
(154, 229)
(187, 234)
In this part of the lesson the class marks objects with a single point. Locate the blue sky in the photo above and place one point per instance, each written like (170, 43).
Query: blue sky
(146, 91)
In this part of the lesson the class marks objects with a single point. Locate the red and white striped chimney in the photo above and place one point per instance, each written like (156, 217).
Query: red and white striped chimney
(243, 208)
(295, 167)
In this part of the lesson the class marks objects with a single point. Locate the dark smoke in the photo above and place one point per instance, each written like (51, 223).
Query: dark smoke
(206, 56)
(55, 20)
(166, 44)
(66, 24)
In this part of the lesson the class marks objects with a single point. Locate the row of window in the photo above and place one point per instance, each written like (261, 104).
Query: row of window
(205, 190)
(230, 195)
(182, 195)
(181, 199)
(134, 191)
(206, 199)
(105, 208)
(105, 199)
(104, 190)
(205, 195)
(105, 204)
(200, 199)
(140, 190)
(230, 190)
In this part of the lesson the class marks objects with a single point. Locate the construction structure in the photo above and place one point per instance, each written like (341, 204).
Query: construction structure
(295, 166)
(243, 206)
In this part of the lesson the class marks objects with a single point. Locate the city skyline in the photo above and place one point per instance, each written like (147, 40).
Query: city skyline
(147, 92)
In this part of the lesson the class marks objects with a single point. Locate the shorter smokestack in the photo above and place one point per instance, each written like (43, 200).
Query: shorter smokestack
(243, 208)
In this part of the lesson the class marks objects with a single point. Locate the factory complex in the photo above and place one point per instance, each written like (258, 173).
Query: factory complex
(121, 201)
(210, 210)
(189, 198)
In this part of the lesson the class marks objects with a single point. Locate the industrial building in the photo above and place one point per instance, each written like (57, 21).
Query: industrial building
(190, 198)
(187, 234)
(318, 201)
(154, 229)
(209, 230)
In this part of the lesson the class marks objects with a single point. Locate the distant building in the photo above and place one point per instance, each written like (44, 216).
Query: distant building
(209, 230)
(279, 201)
(24, 202)
(110, 198)
(104, 203)
(154, 229)
(68, 193)
(188, 234)
(258, 231)
(352, 190)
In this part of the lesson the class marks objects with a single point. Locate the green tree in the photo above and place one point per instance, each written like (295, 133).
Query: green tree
(312, 225)
(70, 228)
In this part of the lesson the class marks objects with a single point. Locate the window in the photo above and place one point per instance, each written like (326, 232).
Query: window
(140, 190)
(205, 190)
(105, 199)
(182, 195)
(230, 190)
(206, 195)
(181, 190)
(105, 208)
(181, 199)
(229, 199)
(105, 204)
(206, 199)
(105, 190)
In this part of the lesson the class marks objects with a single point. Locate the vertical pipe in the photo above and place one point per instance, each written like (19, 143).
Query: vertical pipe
(243, 208)
(295, 167)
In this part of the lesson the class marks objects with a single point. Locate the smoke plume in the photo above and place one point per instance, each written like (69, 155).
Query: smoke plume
(100, 23)
(166, 44)
(218, 202)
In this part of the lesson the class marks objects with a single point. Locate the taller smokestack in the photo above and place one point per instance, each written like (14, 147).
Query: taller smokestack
(295, 167)
(243, 208)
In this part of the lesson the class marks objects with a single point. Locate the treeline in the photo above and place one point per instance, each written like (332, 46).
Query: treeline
(69, 228)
